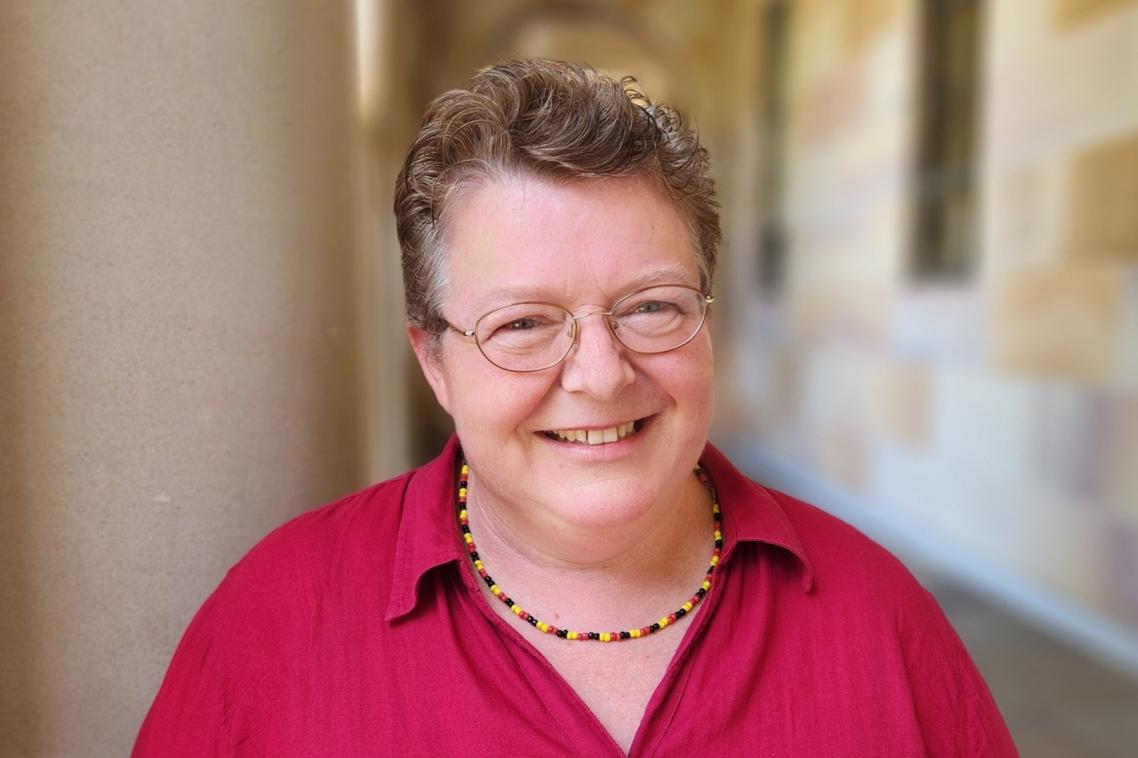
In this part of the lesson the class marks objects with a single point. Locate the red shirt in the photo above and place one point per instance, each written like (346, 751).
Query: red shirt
(359, 629)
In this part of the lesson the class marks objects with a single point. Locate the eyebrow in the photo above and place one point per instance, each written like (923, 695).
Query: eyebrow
(664, 275)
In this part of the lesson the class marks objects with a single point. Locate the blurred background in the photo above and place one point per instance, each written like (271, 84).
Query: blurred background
(927, 314)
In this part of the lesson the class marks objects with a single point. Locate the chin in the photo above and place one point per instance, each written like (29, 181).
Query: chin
(606, 503)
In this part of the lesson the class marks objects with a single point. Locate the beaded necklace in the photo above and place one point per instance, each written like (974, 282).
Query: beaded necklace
(644, 631)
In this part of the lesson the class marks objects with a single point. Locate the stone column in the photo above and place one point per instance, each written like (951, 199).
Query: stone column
(177, 349)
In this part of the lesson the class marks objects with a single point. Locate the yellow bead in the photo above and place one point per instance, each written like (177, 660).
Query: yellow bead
(663, 622)
(571, 636)
(605, 636)
(495, 589)
(706, 585)
(462, 491)
(687, 607)
(715, 560)
(543, 626)
(468, 537)
(517, 609)
(634, 634)
(462, 513)
(465, 469)
(478, 564)
(718, 534)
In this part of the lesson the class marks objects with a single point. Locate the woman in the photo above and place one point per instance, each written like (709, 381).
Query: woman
(579, 572)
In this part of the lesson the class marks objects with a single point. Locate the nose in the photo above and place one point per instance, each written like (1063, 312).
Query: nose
(598, 364)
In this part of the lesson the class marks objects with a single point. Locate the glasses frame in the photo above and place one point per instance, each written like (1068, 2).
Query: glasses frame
(574, 318)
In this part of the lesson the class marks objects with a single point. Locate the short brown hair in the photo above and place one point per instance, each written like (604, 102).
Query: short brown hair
(549, 119)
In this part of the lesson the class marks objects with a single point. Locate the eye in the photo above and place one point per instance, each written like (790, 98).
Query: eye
(520, 325)
(649, 308)
(653, 306)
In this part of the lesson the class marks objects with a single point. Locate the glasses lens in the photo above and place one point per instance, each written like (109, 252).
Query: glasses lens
(525, 336)
(659, 319)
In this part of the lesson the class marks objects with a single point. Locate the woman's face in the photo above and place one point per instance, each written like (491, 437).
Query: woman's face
(581, 245)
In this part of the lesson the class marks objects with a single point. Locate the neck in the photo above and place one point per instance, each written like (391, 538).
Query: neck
(606, 577)
(678, 526)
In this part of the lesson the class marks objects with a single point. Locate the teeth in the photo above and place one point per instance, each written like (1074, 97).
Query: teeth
(595, 436)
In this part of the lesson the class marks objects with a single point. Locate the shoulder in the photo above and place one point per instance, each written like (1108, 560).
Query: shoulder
(865, 604)
(837, 550)
(248, 643)
(830, 555)
(846, 574)
(326, 540)
(856, 577)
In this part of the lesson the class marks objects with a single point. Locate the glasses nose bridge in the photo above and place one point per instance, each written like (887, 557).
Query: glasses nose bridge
(576, 330)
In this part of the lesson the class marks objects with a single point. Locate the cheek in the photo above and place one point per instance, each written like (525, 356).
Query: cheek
(693, 389)
(494, 405)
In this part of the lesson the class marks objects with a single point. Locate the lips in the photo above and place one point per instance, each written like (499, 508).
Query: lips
(596, 436)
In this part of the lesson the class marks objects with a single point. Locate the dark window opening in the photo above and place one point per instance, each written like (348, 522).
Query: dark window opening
(773, 240)
(945, 228)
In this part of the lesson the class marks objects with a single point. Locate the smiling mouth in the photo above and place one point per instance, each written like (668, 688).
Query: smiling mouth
(596, 436)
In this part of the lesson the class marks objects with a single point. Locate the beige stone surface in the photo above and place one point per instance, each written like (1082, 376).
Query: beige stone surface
(1100, 197)
(177, 330)
(844, 310)
(1068, 13)
(868, 20)
(1122, 466)
(1058, 322)
(905, 405)
(841, 452)
(1018, 221)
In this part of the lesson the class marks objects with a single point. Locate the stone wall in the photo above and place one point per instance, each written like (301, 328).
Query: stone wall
(994, 415)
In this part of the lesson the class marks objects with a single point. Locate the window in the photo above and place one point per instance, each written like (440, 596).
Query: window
(945, 227)
(773, 242)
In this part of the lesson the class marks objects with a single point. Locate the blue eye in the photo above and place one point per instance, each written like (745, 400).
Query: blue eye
(652, 306)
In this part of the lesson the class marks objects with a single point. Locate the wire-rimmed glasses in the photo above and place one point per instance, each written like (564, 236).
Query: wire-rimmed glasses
(534, 336)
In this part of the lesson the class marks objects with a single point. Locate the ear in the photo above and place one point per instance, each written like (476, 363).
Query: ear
(431, 364)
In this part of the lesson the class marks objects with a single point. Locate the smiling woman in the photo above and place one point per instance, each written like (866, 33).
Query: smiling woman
(559, 236)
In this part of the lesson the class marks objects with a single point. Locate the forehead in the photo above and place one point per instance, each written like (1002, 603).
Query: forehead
(582, 241)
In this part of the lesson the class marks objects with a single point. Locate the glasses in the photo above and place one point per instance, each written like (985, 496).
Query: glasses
(535, 336)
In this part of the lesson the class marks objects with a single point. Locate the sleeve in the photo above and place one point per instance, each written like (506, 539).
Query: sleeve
(957, 713)
(191, 715)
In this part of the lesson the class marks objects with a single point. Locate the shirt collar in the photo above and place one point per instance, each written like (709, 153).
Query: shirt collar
(428, 531)
(428, 536)
(751, 513)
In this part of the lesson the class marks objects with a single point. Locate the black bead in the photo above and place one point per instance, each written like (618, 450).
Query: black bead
(681, 613)
(532, 621)
(719, 543)
(594, 636)
(701, 592)
(464, 528)
(562, 633)
(625, 635)
(655, 627)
